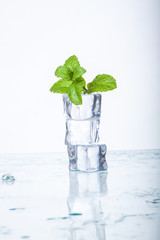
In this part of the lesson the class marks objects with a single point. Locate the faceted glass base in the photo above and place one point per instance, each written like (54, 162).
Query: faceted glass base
(87, 158)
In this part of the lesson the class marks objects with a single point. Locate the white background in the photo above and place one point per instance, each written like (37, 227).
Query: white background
(116, 37)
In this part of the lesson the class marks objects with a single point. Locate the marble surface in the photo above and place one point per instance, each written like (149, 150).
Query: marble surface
(47, 202)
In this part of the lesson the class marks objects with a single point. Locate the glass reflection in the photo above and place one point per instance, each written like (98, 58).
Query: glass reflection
(84, 205)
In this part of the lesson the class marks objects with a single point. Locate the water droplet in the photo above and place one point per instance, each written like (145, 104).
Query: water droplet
(51, 219)
(13, 209)
(75, 214)
(64, 217)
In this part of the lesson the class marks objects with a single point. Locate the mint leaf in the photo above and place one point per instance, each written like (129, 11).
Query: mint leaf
(72, 62)
(75, 90)
(78, 72)
(64, 72)
(84, 83)
(101, 83)
(61, 86)
(81, 79)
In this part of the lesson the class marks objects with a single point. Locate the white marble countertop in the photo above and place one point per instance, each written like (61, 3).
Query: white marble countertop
(47, 202)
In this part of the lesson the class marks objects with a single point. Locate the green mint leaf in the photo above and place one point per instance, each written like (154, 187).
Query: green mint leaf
(61, 86)
(84, 83)
(64, 72)
(101, 83)
(72, 62)
(75, 90)
(78, 72)
(81, 79)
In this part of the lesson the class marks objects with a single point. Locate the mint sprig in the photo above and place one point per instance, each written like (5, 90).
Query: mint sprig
(73, 84)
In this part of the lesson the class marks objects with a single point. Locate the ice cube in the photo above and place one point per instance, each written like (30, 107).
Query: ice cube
(87, 158)
(91, 107)
(8, 177)
(82, 132)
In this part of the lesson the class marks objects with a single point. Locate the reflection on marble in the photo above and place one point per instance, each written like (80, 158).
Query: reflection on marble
(84, 200)
(48, 202)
